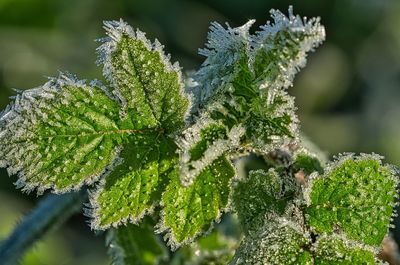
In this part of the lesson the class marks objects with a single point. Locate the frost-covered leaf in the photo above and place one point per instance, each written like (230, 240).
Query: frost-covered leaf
(356, 195)
(142, 77)
(271, 121)
(134, 187)
(202, 144)
(280, 241)
(61, 135)
(135, 245)
(280, 48)
(244, 77)
(334, 249)
(224, 49)
(66, 133)
(189, 211)
(150, 91)
(261, 193)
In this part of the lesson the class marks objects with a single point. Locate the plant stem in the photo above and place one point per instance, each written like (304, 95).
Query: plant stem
(48, 215)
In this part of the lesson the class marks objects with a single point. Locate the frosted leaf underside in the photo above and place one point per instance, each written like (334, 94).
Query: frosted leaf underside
(262, 192)
(190, 210)
(332, 250)
(357, 197)
(280, 241)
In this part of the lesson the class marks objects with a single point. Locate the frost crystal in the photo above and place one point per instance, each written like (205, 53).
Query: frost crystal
(280, 48)
(223, 49)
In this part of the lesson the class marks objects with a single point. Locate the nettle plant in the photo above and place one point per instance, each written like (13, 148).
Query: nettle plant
(157, 154)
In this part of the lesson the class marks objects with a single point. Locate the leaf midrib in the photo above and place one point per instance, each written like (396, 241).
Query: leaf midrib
(159, 131)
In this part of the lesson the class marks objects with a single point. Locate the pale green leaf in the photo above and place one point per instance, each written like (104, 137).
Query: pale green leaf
(334, 249)
(356, 195)
(279, 241)
(214, 248)
(135, 245)
(189, 211)
(224, 50)
(261, 193)
(202, 144)
(281, 47)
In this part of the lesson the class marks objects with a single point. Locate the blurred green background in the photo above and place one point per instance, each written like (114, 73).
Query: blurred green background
(348, 96)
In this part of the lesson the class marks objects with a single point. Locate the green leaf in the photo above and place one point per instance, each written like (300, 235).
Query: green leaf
(142, 77)
(61, 135)
(242, 81)
(307, 163)
(356, 195)
(188, 211)
(134, 186)
(224, 51)
(261, 193)
(271, 122)
(202, 144)
(214, 248)
(135, 245)
(281, 47)
(279, 241)
(149, 87)
(334, 249)
(66, 134)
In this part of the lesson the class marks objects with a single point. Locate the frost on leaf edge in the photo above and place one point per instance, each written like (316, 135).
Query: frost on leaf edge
(115, 30)
(56, 84)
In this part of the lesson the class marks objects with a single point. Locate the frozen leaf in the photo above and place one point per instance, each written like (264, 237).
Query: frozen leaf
(66, 133)
(135, 245)
(335, 249)
(134, 187)
(280, 241)
(142, 77)
(244, 77)
(271, 122)
(356, 195)
(281, 47)
(61, 135)
(261, 193)
(224, 49)
(189, 211)
(202, 144)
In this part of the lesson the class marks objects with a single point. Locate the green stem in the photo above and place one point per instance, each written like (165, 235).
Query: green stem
(48, 215)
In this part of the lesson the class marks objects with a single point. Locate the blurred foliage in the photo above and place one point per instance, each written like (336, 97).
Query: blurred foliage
(348, 95)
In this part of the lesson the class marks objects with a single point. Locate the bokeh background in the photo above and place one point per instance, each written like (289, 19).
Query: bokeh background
(348, 96)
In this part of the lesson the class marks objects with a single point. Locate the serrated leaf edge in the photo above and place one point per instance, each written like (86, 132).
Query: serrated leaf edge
(115, 30)
(13, 109)
(189, 170)
(162, 228)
